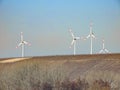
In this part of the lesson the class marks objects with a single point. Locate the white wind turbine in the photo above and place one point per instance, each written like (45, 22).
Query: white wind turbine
(91, 36)
(73, 41)
(103, 50)
(22, 43)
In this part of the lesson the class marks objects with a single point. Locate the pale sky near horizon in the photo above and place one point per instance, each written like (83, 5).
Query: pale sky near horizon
(45, 24)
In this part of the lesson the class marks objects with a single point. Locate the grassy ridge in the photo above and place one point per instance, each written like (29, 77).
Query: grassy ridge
(81, 72)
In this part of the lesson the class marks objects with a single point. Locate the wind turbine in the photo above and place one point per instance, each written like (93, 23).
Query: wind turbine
(91, 36)
(74, 40)
(103, 50)
(22, 44)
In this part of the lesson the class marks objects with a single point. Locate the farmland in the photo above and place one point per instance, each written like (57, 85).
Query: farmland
(80, 72)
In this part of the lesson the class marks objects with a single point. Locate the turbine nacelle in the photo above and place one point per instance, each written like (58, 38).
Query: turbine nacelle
(76, 38)
(26, 43)
(91, 35)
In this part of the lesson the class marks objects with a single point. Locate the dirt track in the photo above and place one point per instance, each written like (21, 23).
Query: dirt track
(13, 60)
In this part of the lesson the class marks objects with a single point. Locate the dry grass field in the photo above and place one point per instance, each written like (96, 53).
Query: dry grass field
(79, 72)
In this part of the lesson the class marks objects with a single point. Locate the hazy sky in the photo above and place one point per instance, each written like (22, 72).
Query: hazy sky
(45, 25)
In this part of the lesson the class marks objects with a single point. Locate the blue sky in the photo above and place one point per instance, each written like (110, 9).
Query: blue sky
(45, 25)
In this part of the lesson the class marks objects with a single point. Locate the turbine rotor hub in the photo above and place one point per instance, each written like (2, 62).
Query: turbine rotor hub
(75, 39)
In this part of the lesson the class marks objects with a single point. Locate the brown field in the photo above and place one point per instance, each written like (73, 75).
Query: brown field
(19, 73)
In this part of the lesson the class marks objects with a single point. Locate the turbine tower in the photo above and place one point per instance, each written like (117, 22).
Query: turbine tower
(22, 44)
(91, 36)
(103, 50)
(74, 40)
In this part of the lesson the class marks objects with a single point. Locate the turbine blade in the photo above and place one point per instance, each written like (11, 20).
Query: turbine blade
(77, 37)
(93, 36)
(100, 51)
(72, 43)
(27, 43)
(21, 36)
(83, 38)
(91, 24)
(71, 33)
(106, 51)
(19, 45)
(88, 36)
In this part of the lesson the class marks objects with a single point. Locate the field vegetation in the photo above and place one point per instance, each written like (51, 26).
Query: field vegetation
(64, 73)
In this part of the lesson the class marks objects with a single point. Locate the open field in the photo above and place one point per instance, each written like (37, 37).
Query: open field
(29, 73)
